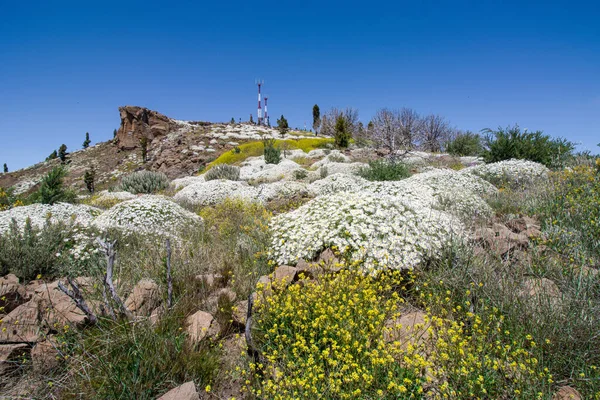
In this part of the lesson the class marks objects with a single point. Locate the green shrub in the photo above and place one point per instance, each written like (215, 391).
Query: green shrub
(147, 182)
(465, 144)
(52, 190)
(223, 171)
(272, 153)
(384, 170)
(32, 251)
(300, 174)
(342, 133)
(505, 144)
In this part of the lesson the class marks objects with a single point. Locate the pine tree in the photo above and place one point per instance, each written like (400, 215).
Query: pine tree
(52, 156)
(342, 132)
(282, 126)
(316, 118)
(89, 178)
(51, 189)
(87, 141)
(144, 147)
(114, 133)
(251, 119)
(5, 168)
(232, 122)
(62, 152)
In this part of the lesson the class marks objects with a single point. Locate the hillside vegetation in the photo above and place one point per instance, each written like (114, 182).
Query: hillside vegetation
(372, 271)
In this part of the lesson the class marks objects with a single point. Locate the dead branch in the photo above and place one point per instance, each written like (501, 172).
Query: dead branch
(109, 250)
(76, 296)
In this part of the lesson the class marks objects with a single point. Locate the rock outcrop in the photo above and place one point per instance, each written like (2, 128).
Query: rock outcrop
(138, 122)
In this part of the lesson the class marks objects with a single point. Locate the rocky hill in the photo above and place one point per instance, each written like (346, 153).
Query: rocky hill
(176, 148)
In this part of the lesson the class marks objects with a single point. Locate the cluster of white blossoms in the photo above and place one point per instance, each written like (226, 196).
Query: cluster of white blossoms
(186, 181)
(214, 192)
(282, 189)
(147, 214)
(343, 168)
(511, 172)
(38, 214)
(379, 231)
(256, 168)
(338, 183)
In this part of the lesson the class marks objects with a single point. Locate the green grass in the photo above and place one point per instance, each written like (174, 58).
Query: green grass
(255, 149)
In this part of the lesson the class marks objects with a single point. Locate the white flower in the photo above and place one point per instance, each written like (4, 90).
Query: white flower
(512, 172)
(215, 191)
(72, 214)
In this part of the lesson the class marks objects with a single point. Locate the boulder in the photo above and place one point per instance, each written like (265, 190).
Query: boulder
(187, 391)
(45, 355)
(284, 274)
(139, 122)
(213, 300)
(240, 312)
(409, 328)
(567, 393)
(57, 309)
(201, 325)
(144, 298)
(12, 294)
(22, 325)
(12, 356)
(329, 261)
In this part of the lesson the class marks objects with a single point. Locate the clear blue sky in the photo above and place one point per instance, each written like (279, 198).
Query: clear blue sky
(65, 67)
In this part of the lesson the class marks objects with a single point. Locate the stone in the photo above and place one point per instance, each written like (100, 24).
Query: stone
(12, 356)
(144, 298)
(57, 309)
(284, 274)
(409, 328)
(523, 224)
(139, 122)
(212, 302)
(211, 279)
(307, 270)
(567, 393)
(201, 325)
(22, 325)
(240, 312)
(45, 355)
(329, 261)
(12, 294)
(535, 287)
(187, 391)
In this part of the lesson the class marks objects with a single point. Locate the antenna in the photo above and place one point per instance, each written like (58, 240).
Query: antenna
(259, 82)
(266, 114)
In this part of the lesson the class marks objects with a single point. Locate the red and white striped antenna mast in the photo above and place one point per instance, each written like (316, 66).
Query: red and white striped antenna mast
(259, 83)
(266, 114)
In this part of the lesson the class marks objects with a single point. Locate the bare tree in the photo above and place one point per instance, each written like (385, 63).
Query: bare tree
(395, 129)
(435, 131)
(330, 118)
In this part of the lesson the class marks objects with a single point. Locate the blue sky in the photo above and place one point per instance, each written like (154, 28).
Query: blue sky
(65, 67)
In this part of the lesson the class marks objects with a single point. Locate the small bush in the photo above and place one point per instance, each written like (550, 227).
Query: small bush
(52, 190)
(342, 133)
(323, 172)
(32, 251)
(272, 153)
(146, 182)
(336, 158)
(465, 144)
(223, 171)
(300, 174)
(511, 143)
(383, 170)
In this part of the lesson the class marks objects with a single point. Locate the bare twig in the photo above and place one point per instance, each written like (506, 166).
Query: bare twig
(109, 309)
(109, 250)
(169, 279)
(78, 299)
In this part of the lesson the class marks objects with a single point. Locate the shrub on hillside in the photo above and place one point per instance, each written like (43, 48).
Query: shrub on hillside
(52, 188)
(465, 144)
(511, 143)
(145, 182)
(272, 154)
(342, 132)
(31, 251)
(223, 171)
(384, 170)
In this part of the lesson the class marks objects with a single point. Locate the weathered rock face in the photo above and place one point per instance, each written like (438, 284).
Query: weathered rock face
(138, 122)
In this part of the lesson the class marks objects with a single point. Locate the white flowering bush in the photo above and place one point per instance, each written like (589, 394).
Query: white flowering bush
(257, 169)
(282, 189)
(186, 181)
(344, 168)
(510, 172)
(214, 192)
(379, 231)
(106, 199)
(147, 215)
(38, 214)
(338, 183)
